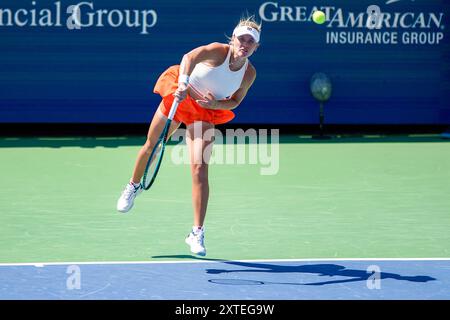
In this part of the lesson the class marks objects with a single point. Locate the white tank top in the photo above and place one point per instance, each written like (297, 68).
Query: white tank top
(220, 80)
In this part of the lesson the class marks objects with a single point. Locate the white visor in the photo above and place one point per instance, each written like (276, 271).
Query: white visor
(241, 30)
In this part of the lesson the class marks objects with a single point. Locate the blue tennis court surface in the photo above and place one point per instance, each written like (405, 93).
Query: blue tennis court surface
(203, 279)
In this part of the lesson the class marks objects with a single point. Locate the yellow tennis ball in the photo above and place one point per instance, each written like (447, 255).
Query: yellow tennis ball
(319, 17)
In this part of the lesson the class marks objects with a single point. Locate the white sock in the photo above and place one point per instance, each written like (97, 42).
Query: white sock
(135, 185)
(197, 229)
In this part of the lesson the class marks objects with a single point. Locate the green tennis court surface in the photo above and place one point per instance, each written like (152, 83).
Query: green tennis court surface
(365, 197)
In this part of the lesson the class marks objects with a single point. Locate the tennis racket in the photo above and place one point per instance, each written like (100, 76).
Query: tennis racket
(155, 159)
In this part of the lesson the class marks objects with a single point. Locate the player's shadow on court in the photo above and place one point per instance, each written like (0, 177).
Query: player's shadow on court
(322, 270)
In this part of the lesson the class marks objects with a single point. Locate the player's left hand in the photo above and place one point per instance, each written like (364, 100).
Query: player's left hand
(208, 101)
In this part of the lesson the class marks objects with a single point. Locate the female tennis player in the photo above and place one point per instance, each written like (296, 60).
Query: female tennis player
(210, 81)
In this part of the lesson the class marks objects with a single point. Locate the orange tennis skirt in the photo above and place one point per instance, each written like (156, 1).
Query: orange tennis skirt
(188, 110)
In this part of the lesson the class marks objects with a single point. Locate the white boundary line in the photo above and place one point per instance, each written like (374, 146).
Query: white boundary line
(42, 264)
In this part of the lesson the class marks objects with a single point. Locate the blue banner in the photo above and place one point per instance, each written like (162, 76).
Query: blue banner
(97, 61)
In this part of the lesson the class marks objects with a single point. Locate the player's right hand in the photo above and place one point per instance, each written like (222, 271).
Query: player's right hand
(181, 92)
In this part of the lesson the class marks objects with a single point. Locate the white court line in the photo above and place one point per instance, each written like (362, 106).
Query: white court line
(42, 264)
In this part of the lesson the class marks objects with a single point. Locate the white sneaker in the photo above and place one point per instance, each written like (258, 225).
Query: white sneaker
(126, 200)
(196, 242)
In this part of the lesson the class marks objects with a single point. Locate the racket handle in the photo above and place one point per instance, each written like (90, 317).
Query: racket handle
(173, 109)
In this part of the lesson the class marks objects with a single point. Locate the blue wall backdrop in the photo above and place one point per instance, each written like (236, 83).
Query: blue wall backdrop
(53, 70)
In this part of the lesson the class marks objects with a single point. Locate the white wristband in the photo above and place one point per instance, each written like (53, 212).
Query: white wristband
(183, 78)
